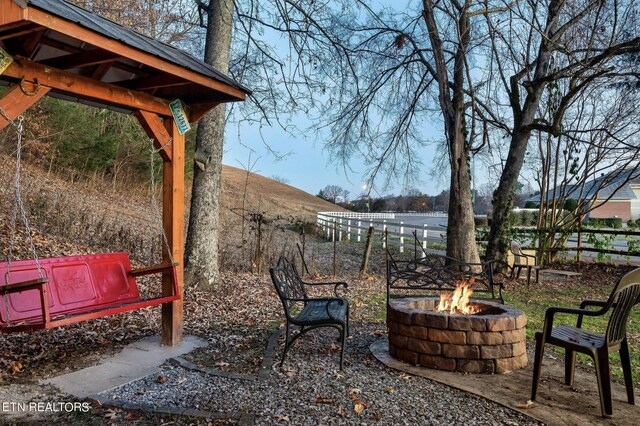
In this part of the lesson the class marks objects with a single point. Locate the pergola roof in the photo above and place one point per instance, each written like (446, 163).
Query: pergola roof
(58, 38)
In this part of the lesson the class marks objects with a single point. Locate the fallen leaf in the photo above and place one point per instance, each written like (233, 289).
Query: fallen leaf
(525, 405)
(282, 418)
(162, 379)
(377, 416)
(340, 411)
(16, 367)
(389, 389)
(358, 408)
(112, 414)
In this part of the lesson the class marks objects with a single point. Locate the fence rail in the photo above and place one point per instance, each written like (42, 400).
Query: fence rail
(392, 232)
(607, 244)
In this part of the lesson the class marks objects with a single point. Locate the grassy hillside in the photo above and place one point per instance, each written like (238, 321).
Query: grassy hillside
(91, 215)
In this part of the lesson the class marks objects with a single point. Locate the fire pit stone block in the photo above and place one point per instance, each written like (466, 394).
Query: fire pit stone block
(493, 343)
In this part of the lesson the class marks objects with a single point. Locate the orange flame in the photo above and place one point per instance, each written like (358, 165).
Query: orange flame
(458, 301)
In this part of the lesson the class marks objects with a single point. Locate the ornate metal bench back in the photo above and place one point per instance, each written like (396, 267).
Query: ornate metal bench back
(624, 297)
(436, 273)
(288, 284)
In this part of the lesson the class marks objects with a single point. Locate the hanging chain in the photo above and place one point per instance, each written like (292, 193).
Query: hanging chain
(18, 206)
(154, 201)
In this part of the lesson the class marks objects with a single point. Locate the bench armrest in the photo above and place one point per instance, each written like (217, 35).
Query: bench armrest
(336, 284)
(155, 269)
(24, 285)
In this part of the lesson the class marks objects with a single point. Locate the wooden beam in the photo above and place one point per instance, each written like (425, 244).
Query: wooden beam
(195, 112)
(173, 222)
(153, 125)
(155, 82)
(85, 58)
(14, 102)
(78, 32)
(101, 70)
(19, 31)
(85, 87)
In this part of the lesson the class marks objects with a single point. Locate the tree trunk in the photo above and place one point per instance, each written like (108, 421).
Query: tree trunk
(497, 244)
(461, 236)
(201, 252)
(523, 117)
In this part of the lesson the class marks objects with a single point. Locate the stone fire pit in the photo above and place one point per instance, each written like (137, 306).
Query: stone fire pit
(491, 341)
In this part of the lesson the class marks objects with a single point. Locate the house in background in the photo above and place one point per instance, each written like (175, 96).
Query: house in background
(610, 196)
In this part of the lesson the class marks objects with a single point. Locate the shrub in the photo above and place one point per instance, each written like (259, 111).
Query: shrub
(606, 222)
(531, 205)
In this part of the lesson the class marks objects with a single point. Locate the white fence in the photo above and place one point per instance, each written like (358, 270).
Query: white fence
(348, 226)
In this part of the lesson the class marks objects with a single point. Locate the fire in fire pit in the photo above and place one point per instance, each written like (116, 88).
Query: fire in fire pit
(457, 302)
(470, 336)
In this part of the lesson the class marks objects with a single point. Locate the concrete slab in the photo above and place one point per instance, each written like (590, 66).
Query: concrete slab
(560, 272)
(135, 361)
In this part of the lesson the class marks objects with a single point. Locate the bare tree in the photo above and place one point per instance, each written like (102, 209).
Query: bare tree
(334, 193)
(542, 52)
(595, 157)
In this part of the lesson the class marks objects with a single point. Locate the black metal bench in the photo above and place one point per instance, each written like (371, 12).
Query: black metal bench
(306, 312)
(437, 273)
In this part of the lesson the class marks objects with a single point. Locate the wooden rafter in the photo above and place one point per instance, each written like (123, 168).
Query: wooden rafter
(155, 82)
(85, 58)
(72, 50)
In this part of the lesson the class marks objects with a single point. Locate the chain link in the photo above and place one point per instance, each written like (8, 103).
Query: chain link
(18, 207)
(154, 201)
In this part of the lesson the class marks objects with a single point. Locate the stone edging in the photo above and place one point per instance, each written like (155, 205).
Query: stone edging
(241, 418)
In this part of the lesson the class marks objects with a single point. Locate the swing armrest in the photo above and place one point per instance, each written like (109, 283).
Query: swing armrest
(155, 269)
(25, 285)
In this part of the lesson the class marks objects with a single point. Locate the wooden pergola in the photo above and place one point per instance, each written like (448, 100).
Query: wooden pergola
(64, 51)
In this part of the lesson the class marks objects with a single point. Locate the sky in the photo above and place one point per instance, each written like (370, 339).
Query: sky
(309, 166)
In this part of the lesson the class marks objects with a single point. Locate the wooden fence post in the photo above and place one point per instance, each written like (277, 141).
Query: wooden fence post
(401, 237)
(367, 251)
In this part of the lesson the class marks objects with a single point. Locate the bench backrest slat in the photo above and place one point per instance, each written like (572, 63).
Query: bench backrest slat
(76, 284)
(288, 284)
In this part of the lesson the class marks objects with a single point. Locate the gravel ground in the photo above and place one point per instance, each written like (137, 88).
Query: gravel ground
(310, 390)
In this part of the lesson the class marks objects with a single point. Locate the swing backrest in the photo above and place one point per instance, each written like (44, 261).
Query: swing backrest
(76, 284)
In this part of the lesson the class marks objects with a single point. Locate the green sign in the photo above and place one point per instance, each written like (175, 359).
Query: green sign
(5, 60)
(182, 122)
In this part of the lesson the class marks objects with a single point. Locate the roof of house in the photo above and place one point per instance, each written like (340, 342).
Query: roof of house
(606, 186)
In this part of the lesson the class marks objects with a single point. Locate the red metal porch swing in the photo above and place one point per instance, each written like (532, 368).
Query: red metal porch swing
(51, 292)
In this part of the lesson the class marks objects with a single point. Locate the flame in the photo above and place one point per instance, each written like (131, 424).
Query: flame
(458, 301)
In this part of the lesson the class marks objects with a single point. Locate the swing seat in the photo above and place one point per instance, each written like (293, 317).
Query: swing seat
(73, 289)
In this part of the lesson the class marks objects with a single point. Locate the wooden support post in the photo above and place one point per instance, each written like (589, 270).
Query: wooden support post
(173, 222)
(172, 217)
(14, 102)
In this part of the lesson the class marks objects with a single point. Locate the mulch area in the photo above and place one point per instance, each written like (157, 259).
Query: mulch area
(237, 318)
